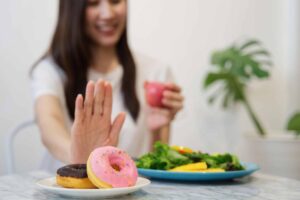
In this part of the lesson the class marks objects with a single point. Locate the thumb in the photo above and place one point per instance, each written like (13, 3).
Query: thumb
(116, 127)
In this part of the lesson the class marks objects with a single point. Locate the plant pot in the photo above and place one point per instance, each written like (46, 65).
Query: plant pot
(277, 153)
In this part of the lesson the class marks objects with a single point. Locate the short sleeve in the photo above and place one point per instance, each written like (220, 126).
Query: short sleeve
(46, 79)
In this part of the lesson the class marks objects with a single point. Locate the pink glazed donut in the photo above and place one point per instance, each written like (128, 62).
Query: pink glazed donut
(110, 167)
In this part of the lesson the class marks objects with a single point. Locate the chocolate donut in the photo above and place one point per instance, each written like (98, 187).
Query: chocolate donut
(73, 176)
(73, 170)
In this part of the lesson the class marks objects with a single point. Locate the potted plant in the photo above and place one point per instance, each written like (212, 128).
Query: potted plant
(233, 69)
(294, 124)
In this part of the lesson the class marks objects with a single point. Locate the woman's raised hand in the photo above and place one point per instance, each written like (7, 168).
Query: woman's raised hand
(172, 103)
(92, 125)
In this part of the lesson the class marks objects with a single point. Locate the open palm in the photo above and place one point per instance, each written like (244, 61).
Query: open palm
(92, 125)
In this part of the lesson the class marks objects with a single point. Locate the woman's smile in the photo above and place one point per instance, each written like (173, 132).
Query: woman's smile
(106, 29)
(105, 21)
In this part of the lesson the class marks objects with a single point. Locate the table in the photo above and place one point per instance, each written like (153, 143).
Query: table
(258, 186)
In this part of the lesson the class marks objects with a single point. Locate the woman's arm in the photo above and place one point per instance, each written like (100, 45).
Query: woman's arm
(162, 134)
(53, 128)
(160, 119)
(92, 127)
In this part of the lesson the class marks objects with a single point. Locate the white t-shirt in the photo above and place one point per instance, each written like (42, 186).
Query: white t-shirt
(48, 79)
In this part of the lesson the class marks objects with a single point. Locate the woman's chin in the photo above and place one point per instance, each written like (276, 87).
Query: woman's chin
(109, 42)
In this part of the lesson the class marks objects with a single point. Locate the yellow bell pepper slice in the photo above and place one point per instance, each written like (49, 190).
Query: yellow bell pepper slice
(182, 149)
(213, 170)
(190, 167)
(210, 170)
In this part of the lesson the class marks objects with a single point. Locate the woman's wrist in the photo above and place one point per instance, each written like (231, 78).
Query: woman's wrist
(161, 134)
(160, 129)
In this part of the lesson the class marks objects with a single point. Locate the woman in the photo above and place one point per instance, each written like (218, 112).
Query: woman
(90, 45)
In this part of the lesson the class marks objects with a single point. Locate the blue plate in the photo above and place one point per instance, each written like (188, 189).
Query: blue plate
(199, 176)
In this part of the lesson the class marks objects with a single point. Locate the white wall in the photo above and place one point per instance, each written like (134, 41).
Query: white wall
(25, 30)
(183, 33)
(291, 55)
(179, 32)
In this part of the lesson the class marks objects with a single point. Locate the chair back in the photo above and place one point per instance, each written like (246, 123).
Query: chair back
(10, 143)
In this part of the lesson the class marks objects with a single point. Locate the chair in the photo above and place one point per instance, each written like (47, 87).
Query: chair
(9, 144)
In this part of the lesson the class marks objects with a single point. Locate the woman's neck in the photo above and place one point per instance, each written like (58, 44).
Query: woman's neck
(104, 59)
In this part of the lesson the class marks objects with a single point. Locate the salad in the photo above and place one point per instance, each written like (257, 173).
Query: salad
(183, 159)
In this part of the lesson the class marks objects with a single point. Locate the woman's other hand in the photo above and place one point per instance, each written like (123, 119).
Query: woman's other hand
(172, 103)
(173, 99)
(92, 125)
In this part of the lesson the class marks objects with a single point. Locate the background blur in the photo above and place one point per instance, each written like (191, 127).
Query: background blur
(181, 33)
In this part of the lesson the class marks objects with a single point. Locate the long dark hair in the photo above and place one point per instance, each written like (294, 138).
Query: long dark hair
(70, 50)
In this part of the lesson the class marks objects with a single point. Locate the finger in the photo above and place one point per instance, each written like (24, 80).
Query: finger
(89, 98)
(99, 97)
(116, 127)
(173, 87)
(79, 114)
(107, 105)
(170, 95)
(174, 105)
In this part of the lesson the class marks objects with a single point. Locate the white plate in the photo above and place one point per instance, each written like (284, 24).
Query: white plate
(49, 185)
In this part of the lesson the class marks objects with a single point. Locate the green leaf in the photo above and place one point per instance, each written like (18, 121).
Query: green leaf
(294, 123)
(222, 57)
(211, 78)
(163, 157)
(218, 59)
(240, 71)
(259, 52)
(260, 73)
(257, 70)
(249, 43)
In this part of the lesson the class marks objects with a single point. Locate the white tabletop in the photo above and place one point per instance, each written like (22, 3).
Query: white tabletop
(258, 186)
